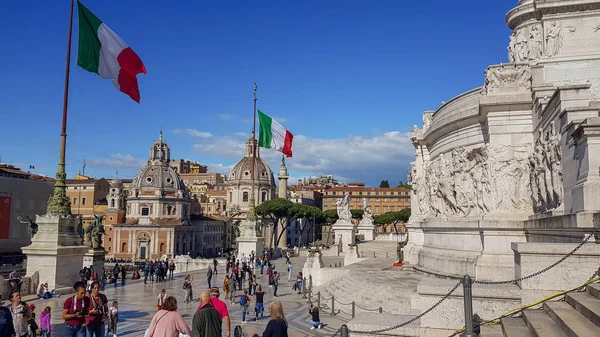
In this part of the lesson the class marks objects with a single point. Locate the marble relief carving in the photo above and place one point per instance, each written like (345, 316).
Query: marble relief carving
(553, 39)
(517, 76)
(472, 182)
(525, 44)
(546, 171)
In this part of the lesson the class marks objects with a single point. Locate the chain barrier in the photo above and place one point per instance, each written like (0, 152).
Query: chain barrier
(414, 318)
(510, 313)
(543, 270)
(365, 309)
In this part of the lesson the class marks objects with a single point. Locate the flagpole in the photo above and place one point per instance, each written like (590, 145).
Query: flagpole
(59, 203)
(251, 213)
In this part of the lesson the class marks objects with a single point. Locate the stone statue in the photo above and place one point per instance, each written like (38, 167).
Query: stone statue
(511, 49)
(553, 39)
(343, 208)
(414, 131)
(427, 120)
(535, 43)
(94, 232)
(367, 217)
(522, 47)
(32, 227)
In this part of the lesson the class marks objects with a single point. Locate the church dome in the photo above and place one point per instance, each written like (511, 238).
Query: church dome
(242, 171)
(158, 175)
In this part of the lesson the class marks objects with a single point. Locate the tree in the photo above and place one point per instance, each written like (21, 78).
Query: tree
(299, 211)
(357, 213)
(330, 215)
(384, 184)
(278, 210)
(392, 218)
(405, 185)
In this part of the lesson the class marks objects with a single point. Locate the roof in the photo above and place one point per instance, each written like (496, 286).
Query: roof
(90, 181)
(153, 223)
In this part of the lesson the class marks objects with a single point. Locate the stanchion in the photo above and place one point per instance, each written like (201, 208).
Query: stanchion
(332, 305)
(319, 300)
(353, 309)
(468, 299)
(304, 285)
(344, 332)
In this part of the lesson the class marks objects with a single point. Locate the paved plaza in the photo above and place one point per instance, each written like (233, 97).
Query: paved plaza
(137, 305)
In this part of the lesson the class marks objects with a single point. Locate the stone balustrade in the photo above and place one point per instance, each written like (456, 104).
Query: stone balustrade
(29, 286)
(185, 264)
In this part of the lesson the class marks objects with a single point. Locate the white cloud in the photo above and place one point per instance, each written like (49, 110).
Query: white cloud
(219, 168)
(194, 133)
(369, 159)
(118, 161)
(226, 117)
(280, 119)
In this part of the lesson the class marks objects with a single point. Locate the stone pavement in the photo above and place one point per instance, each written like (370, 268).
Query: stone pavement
(137, 305)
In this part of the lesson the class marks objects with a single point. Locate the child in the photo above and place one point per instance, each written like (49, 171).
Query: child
(113, 317)
(33, 326)
(45, 322)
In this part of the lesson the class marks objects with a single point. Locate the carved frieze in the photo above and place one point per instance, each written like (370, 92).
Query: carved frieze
(525, 44)
(553, 38)
(507, 78)
(546, 171)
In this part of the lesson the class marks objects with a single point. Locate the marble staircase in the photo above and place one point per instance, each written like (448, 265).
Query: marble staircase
(577, 316)
(372, 284)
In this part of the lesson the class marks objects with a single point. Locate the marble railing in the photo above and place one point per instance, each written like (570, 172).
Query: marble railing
(185, 264)
(28, 287)
(389, 237)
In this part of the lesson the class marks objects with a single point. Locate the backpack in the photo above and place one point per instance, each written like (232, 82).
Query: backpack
(243, 300)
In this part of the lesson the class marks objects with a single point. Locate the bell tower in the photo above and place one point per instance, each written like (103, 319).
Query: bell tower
(116, 203)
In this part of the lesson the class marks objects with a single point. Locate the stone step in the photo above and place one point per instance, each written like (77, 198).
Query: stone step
(540, 324)
(491, 331)
(515, 327)
(594, 289)
(571, 321)
(587, 305)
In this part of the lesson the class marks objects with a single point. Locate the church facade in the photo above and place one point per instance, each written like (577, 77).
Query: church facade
(154, 219)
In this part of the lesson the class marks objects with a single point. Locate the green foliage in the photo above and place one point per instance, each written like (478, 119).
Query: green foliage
(274, 209)
(357, 213)
(384, 184)
(330, 215)
(392, 218)
(405, 185)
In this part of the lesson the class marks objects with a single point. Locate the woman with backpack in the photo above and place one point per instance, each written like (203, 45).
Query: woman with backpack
(245, 304)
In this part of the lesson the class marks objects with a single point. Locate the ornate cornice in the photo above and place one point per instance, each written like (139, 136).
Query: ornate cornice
(539, 8)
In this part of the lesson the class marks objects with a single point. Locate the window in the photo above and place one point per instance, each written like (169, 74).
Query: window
(111, 218)
(349, 193)
(263, 197)
(83, 201)
(109, 239)
(377, 209)
(333, 192)
(230, 197)
(124, 247)
(245, 197)
(112, 203)
(376, 192)
(75, 187)
(85, 187)
(359, 193)
(74, 201)
(145, 211)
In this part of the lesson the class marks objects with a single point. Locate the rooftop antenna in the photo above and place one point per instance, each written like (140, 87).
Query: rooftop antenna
(83, 169)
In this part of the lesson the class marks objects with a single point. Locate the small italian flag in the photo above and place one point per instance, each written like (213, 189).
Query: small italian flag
(274, 136)
(103, 52)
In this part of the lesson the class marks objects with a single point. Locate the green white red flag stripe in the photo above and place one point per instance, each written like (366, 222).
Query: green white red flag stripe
(274, 136)
(103, 52)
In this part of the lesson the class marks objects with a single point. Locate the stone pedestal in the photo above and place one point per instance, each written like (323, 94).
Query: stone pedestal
(56, 251)
(344, 231)
(352, 255)
(248, 241)
(95, 258)
(366, 230)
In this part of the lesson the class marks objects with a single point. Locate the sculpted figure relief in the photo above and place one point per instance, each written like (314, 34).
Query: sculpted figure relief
(525, 44)
(463, 183)
(427, 116)
(553, 39)
(367, 217)
(535, 43)
(546, 171)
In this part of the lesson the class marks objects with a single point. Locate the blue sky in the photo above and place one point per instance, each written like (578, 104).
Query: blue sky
(348, 78)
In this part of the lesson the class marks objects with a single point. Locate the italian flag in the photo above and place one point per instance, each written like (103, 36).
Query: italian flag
(103, 52)
(274, 136)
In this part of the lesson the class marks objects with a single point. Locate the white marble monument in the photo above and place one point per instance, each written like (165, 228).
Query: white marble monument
(506, 168)
(366, 227)
(343, 227)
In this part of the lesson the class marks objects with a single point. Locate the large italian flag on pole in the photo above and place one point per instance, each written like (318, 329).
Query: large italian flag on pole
(103, 52)
(274, 136)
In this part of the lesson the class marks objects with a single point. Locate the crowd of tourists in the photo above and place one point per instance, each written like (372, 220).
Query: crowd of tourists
(87, 313)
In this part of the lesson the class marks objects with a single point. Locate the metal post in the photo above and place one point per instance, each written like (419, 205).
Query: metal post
(309, 296)
(304, 288)
(386, 254)
(374, 255)
(380, 310)
(344, 331)
(468, 299)
(319, 300)
(310, 282)
(332, 305)
(353, 309)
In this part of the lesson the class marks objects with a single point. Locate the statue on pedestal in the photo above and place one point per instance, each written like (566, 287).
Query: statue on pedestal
(94, 232)
(343, 208)
(31, 225)
(367, 217)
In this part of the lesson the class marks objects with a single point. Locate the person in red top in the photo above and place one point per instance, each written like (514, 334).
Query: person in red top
(75, 311)
(221, 308)
(97, 312)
